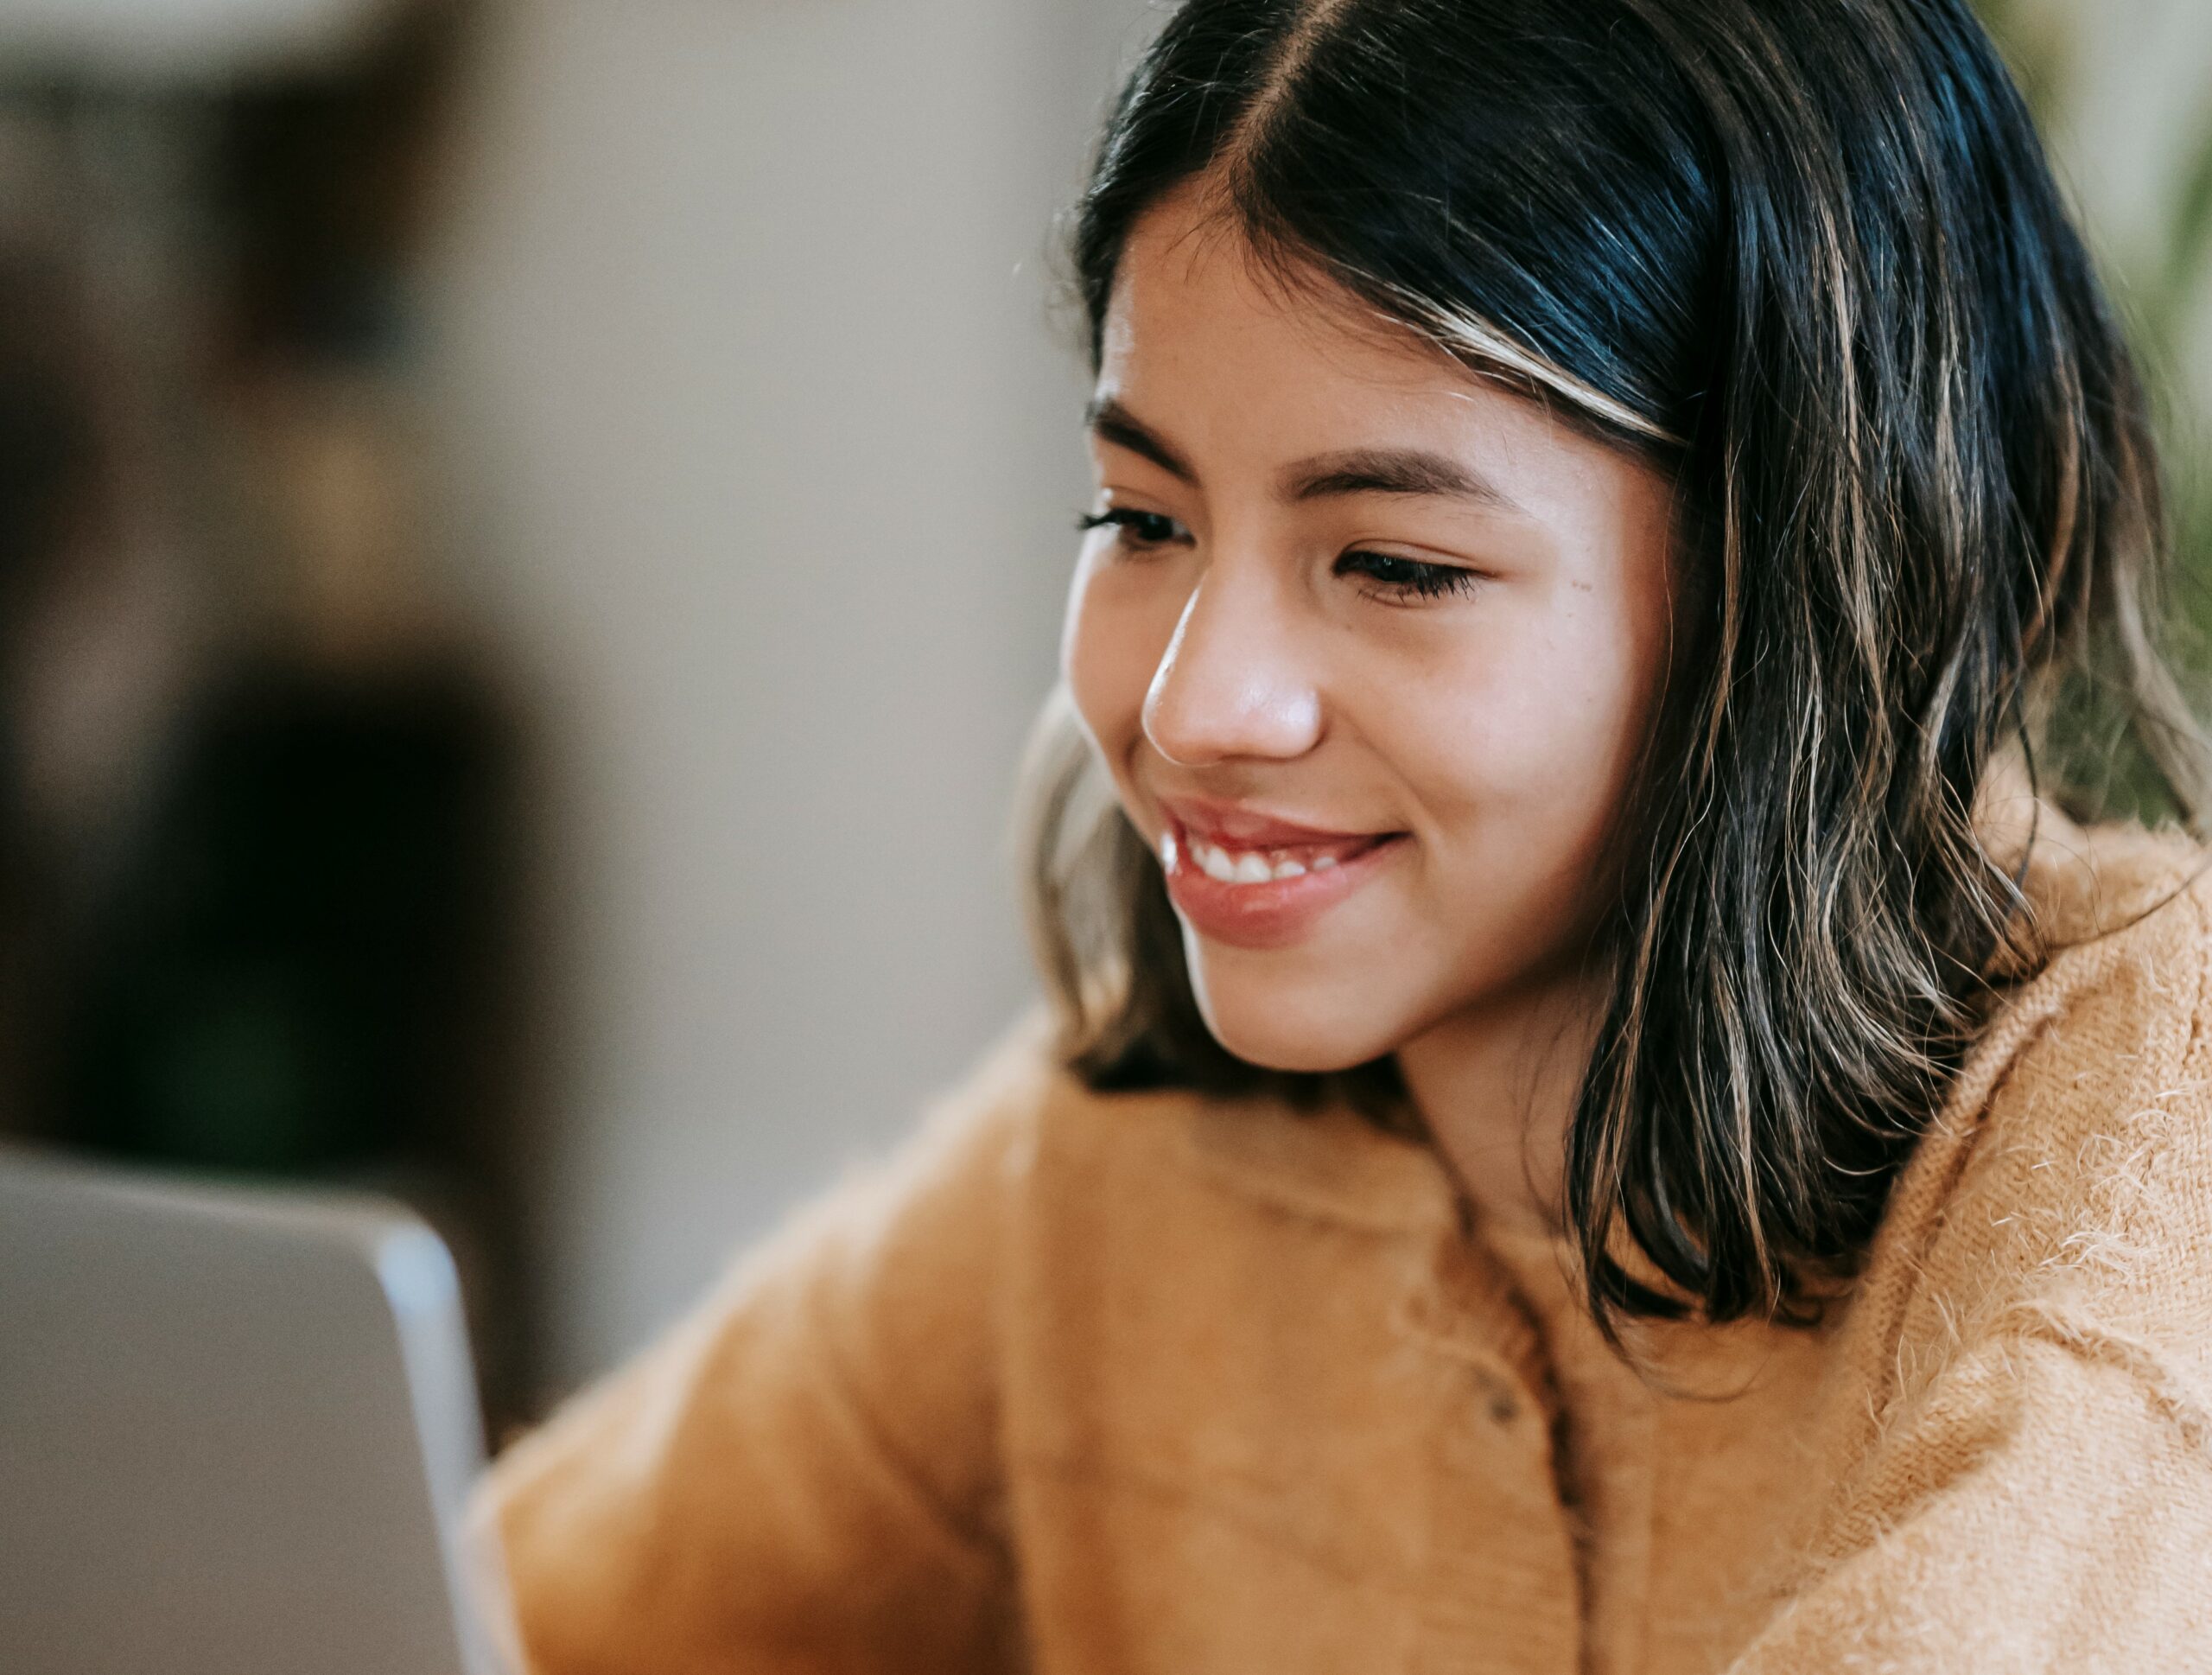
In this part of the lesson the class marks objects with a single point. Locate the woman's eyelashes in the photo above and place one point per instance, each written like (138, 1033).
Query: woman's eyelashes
(1400, 580)
(1136, 528)
(1388, 577)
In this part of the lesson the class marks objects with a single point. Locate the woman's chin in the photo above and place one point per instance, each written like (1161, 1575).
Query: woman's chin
(1279, 1032)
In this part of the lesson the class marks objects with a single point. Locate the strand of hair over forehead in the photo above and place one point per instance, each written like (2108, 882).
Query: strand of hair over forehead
(1465, 336)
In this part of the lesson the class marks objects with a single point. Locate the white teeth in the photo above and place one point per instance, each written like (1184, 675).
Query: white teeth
(1239, 866)
(1252, 870)
(1168, 848)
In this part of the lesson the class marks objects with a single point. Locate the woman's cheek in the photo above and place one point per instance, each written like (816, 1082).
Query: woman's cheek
(1552, 691)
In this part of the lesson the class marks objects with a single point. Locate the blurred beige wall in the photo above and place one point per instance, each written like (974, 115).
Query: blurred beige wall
(770, 451)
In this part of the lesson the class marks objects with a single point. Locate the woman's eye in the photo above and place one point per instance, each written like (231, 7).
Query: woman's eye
(1134, 528)
(1402, 580)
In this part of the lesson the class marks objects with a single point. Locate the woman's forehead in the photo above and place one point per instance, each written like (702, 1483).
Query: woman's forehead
(1192, 294)
(1238, 362)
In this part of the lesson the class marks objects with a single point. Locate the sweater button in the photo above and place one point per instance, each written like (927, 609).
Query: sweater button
(1499, 1401)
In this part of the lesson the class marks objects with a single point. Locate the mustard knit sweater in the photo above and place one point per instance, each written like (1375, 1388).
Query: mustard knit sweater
(1150, 1384)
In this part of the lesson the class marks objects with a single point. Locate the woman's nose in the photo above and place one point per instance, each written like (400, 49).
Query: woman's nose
(1231, 683)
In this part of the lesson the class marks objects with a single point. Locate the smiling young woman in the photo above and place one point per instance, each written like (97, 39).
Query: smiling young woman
(1372, 650)
(1590, 1116)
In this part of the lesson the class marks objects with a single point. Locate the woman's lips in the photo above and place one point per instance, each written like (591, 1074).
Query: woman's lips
(1256, 896)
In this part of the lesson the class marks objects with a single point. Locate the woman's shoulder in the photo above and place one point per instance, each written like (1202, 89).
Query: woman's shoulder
(2115, 968)
(2088, 885)
(2069, 1174)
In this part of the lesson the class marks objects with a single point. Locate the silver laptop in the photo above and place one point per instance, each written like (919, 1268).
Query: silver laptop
(236, 1429)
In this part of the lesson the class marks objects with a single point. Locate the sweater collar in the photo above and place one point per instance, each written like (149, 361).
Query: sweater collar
(1328, 1164)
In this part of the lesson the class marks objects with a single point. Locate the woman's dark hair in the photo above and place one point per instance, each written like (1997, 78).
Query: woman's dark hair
(1807, 257)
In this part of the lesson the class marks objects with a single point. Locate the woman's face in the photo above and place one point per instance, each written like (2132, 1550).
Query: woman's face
(1370, 644)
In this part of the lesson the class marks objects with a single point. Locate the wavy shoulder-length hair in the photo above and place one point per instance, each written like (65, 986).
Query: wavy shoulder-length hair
(1806, 258)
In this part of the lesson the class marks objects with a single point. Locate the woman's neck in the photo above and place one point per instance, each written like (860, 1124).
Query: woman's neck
(1496, 1086)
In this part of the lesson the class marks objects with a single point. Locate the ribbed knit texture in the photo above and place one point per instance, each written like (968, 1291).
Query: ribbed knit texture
(1155, 1386)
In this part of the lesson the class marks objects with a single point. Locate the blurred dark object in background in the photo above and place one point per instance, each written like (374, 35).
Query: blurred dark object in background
(287, 971)
(48, 483)
(259, 783)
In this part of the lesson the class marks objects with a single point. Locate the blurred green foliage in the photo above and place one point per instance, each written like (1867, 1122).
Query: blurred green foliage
(2159, 275)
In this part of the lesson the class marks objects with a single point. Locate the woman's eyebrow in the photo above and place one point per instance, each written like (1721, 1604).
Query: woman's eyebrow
(1392, 471)
(1352, 471)
(1111, 422)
